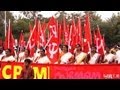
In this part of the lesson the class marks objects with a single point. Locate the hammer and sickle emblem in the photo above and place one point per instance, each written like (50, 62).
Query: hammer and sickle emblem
(52, 49)
(53, 28)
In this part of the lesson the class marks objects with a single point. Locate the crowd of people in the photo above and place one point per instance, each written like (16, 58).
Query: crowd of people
(111, 56)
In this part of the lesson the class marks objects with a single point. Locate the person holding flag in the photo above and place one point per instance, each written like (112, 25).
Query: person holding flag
(80, 57)
(67, 57)
(95, 57)
(109, 57)
(25, 56)
(43, 58)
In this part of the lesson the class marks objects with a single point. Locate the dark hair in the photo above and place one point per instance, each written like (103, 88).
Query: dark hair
(9, 50)
(61, 46)
(41, 48)
(66, 46)
(94, 47)
(28, 61)
(2, 47)
(28, 51)
(78, 45)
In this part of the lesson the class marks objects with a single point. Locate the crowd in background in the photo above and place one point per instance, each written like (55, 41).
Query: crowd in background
(111, 55)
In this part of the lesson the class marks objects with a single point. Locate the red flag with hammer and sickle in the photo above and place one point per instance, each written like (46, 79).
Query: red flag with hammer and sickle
(53, 42)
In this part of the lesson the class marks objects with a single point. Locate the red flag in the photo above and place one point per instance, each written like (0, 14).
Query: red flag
(60, 34)
(103, 38)
(21, 40)
(9, 40)
(87, 30)
(42, 35)
(99, 42)
(86, 43)
(70, 39)
(53, 47)
(74, 35)
(94, 37)
(33, 39)
(31, 42)
(37, 32)
(86, 46)
(79, 32)
(44, 27)
(65, 35)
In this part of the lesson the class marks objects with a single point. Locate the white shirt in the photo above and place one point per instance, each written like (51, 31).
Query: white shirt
(65, 58)
(109, 57)
(21, 54)
(117, 56)
(10, 58)
(22, 59)
(2, 54)
(80, 57)
(36, 55)
(43, 60)
(94, 58)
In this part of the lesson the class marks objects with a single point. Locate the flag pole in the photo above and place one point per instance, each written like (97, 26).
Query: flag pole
(9, 31)
(5, 23)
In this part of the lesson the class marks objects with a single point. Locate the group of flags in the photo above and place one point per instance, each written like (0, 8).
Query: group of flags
(58, 33)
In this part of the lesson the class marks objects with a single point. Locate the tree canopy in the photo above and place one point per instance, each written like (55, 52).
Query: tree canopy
(110, 28)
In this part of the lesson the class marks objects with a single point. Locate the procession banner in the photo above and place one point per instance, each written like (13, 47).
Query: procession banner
(12, 70)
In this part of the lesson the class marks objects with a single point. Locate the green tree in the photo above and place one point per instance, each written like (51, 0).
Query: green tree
(10, 16)
(95, 19)
(111, 29)
(21, 24)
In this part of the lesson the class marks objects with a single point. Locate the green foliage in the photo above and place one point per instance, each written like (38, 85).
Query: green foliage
(21, 24)
(2, 24)
(110, 28)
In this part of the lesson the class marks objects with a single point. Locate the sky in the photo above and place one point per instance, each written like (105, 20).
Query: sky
(104, 14)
